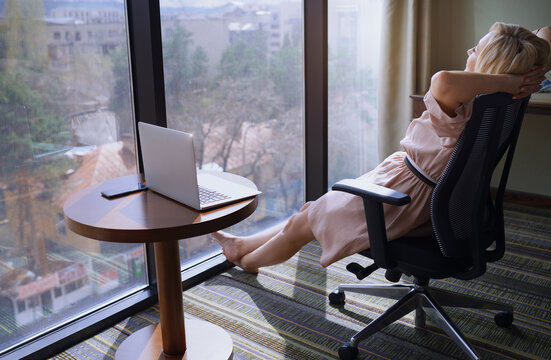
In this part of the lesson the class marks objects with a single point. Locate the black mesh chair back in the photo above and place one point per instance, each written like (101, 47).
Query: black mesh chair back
(466, 219)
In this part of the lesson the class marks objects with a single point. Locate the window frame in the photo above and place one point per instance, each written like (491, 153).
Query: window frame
(143, 27)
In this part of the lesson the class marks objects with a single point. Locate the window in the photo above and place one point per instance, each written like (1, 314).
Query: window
(70, 287)
(32, 302)
(20, 306)
(240, 94)
(68, 125)
(60, 225)
(352, 67)
(84, 114)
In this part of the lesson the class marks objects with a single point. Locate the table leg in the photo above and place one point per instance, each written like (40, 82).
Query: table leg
(169, 285)
(167, 340)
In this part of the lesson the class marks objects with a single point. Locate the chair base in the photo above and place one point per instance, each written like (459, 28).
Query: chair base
(423, 300)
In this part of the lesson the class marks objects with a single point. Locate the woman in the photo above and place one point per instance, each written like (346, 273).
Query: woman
(508, 59)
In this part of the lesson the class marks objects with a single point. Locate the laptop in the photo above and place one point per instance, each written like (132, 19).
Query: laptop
(169, 167)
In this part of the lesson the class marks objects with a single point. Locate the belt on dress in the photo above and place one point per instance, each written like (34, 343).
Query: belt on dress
(416, 170)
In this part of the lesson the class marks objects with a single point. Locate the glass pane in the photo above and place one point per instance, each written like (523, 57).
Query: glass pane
(65, 123)
(233, 78)
(354, 27)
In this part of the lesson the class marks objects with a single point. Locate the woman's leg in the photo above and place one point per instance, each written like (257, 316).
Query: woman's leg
(270, 247)
(235, 247)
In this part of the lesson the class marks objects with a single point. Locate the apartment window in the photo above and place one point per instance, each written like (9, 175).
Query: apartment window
(352, 86)
(20, 306)
(60, 225)
(241, 99)
(68, 125)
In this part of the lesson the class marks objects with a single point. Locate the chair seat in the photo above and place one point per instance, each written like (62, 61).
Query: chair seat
(422, 257)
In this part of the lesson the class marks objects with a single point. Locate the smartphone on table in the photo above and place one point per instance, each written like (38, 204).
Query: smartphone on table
(123, 190)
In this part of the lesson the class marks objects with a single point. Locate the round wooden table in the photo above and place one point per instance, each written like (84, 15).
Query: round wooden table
(147, 217)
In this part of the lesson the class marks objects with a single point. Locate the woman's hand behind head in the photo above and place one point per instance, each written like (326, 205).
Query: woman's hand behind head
(526, 84)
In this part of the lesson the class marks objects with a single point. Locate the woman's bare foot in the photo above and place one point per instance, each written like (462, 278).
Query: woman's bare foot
(233, 249)
(232, 246)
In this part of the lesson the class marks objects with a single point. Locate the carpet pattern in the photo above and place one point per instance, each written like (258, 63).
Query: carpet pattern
(283, 312)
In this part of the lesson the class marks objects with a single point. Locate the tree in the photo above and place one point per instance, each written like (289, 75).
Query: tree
(24, 49)
(24, 119)
(285, 148)
(184, 69)
(120, 101)
(176, 60)
(341, 71)
(199, 67)
(26, 31)
(286, 73)
(15, 29)
(241, 101)
(35, 31)
(28, 130)
(199, 116)
(245, 59)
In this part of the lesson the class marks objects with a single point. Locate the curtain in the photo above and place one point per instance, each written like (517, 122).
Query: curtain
(404, 67)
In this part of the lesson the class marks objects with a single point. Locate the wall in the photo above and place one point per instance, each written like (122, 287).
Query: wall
(457, 26)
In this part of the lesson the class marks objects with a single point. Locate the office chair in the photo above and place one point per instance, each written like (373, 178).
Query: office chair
(467, 223)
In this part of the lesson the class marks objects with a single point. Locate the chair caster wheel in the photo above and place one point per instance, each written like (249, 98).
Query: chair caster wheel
(336, 298)
(503, 318)
(348, 352)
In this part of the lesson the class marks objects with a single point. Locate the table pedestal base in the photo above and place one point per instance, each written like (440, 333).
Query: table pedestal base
(203, 341)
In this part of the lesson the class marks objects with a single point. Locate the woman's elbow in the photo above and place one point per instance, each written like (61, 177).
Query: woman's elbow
(440, 84)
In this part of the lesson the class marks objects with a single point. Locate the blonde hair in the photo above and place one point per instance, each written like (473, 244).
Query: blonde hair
(512, 49)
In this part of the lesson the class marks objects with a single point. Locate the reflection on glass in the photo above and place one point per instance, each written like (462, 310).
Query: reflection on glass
(233, 78)
(353, 33)
(65, 123)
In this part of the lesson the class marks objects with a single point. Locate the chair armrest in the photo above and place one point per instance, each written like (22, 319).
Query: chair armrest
(372, 192)
(373, 198)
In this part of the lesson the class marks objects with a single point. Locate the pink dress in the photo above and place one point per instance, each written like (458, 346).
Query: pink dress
(337, 219)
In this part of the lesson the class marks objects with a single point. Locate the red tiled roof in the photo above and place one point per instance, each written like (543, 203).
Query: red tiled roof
(105, 162)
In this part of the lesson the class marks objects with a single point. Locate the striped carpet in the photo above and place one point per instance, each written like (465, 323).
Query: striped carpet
(283, 313)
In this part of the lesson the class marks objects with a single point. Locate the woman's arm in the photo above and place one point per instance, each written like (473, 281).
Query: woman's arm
(452, 88)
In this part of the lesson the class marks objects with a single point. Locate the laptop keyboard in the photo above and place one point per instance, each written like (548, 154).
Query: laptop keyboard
(207, 196)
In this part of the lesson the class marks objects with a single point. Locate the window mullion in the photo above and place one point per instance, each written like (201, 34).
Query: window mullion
(146, 63)
(315, 97)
